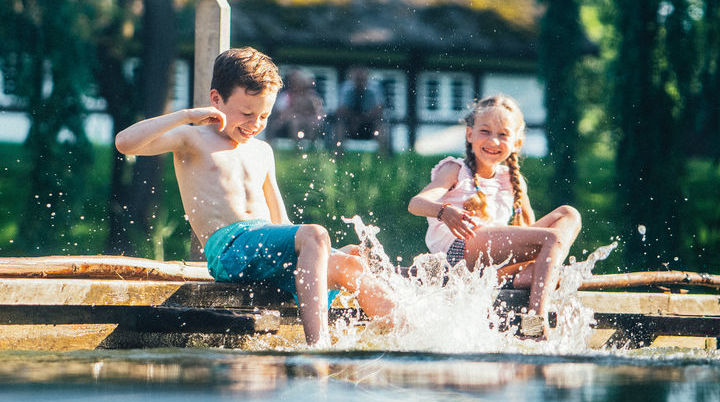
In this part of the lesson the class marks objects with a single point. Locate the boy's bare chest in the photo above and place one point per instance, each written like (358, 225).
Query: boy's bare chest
(237, 168)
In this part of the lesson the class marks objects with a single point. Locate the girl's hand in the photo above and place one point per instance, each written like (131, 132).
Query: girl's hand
(206, 115)
(459, 221)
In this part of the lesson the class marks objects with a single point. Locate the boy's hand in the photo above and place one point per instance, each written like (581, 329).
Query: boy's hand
(206, 115)
(459, 221)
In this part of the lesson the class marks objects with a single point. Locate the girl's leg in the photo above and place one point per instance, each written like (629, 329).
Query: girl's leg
(523, 243)
(346, 272)
(567, 220)
(547, 241)
(312, 244)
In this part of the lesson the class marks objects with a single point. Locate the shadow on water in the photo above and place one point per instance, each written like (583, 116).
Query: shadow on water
(199, 374)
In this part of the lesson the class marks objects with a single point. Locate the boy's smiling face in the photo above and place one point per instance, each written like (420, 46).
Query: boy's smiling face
(246, 114)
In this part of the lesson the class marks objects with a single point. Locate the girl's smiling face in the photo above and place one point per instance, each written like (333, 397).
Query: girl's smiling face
(493, 137)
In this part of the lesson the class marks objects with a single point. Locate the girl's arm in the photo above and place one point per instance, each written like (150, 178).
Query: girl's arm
(427, 203)
(163, 133)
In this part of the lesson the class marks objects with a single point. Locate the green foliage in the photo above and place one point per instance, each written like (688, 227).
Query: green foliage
(664, 107)
(561, 48)
(46, 49)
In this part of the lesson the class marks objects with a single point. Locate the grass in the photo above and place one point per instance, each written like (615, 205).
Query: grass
(319, 187)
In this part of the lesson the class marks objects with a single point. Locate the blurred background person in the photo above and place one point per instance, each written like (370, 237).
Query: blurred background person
(298, 112)
(360, 110)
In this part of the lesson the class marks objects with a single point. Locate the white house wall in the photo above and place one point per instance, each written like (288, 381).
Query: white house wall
(443, 98)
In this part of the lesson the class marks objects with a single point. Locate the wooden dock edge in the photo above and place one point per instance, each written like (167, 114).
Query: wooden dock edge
(68, 314)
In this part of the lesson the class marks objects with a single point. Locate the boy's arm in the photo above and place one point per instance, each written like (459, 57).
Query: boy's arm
(274, 200)
(160, 134)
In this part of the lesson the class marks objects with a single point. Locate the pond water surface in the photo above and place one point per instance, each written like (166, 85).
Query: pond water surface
(220, 375)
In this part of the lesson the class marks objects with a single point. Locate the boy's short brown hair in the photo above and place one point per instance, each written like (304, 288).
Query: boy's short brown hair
(247, 68)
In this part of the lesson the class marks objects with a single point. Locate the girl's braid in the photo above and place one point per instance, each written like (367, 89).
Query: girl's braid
(520, 216)
(478, 202)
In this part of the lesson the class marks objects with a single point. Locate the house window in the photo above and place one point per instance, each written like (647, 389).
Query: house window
(526, 90)
(8, 83)
(394, 86)
(458, 96)
(432, 94)
(444, 96)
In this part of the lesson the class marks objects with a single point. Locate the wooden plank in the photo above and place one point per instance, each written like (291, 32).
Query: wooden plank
(60, 338)
(134, 293)
(651, 303)
(650, 278)
(102, 267)
(69, 337)
(226, 295)
(694, 342)
(159, 319)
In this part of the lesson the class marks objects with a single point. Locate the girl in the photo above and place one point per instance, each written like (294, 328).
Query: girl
(470, 202)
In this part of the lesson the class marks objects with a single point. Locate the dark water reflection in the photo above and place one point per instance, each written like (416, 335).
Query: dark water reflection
(211, 374)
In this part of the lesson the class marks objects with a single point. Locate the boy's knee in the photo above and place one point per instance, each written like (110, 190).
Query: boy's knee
(314, 235)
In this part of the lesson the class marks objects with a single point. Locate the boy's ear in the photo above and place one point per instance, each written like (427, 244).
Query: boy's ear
(215, 97)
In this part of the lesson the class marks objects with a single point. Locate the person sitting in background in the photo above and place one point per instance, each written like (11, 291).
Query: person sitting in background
(360, 110)
(298, 110)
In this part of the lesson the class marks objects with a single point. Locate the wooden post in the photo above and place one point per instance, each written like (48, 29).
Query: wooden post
(212, 37)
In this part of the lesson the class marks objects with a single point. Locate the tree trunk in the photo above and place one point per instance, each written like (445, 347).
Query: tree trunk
(158, 54)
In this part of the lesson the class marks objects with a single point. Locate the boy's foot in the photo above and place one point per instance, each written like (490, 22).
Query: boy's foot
(532, 326)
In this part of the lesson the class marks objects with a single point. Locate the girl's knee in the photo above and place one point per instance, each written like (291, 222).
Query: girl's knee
(570, 213)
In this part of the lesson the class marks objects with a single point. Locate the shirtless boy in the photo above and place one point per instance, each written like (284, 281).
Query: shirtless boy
(231, 197)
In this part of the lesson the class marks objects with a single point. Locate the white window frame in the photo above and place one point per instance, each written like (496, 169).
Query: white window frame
(398, 99)
(525, 88)
(444, 110)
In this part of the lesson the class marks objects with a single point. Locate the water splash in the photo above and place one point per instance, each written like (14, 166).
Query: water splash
(453, 310)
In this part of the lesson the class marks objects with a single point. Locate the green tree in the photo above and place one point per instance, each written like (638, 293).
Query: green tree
(560, 50)
(707, 140)
(46, 48)
(650, 158)
(136, 188)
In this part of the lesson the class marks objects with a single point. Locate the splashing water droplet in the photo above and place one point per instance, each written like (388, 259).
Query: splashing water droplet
(642, 230)
(453, 309)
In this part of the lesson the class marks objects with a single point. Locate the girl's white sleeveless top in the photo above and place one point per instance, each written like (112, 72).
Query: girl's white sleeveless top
(499, 195)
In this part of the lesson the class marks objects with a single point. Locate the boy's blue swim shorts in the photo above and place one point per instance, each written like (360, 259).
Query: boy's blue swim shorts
(255, 252)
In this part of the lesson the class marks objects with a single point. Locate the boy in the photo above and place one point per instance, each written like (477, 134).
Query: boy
(230, 194)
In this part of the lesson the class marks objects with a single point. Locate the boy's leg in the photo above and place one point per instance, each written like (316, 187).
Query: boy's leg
(312, 244)
(346, 272)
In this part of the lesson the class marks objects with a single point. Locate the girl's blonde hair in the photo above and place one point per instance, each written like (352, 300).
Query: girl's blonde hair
(478, 202)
